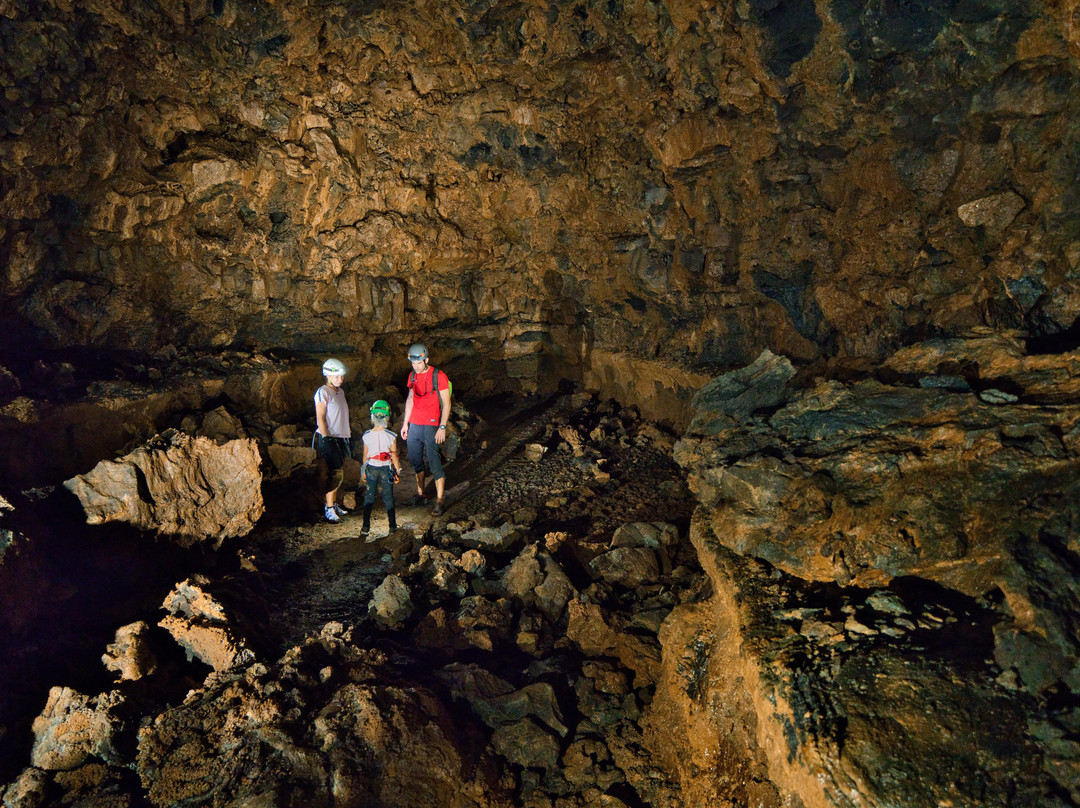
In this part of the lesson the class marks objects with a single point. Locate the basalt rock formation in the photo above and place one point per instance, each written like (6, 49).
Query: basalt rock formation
(833, 247)
(188, 488)
(622, 192)
(916, 486)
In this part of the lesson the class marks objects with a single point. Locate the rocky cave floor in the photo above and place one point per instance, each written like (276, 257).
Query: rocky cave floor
(481, 621)
(507, 652)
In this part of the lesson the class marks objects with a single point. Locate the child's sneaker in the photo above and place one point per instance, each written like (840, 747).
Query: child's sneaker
(332, 514)
(341, 510)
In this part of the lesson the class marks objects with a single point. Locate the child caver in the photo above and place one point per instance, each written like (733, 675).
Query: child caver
(381, 465)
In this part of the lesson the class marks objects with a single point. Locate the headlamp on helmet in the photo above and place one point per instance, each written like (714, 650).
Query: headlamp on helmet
(334, 367)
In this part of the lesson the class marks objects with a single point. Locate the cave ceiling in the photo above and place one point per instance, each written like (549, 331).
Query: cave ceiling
(685, 182)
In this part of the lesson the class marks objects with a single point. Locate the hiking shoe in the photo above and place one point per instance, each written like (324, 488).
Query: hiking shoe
(341, 510)
(365, 530)
(419, 499)
(331, 514)
(438, 509)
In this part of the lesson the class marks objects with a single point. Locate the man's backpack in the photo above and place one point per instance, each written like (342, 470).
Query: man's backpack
(434, 386)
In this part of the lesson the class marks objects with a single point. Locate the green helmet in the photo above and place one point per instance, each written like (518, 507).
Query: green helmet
(380, 407)
(334, 367)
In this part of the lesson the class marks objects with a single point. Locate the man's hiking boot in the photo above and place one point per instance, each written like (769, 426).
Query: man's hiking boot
(391, 516)
(438, 509)
(367, 521)
(331, 514)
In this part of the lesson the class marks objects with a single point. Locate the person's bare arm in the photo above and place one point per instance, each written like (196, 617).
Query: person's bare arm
(408, 414)
(444, 397)
(320, 418)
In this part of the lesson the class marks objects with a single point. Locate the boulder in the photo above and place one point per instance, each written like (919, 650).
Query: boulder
(629, 566)
(495, 539)
(74, 728)
(441, 570)
(28, 790)
(496, 701)
(598, 634)
(221, 426)
(390, 604)
(896, 540)
(200, 625)
(645, 534)
(525, 743)
(129, 655)
(186, 488)
(534, 578)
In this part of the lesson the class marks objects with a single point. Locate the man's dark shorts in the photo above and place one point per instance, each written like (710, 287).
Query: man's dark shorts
(423, 450)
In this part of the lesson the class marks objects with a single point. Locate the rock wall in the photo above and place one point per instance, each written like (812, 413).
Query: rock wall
(893, 561)
(524, 186)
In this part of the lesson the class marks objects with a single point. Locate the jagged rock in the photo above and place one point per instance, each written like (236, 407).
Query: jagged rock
(994, 213)
(187, 488)
(291, 449)
(760, 385)
(221, 426)
(866, 482)
(201, 627)
(587, 763)
(479, 622)
(500, 539)
(523, 574)
(589, 629)
(645, 534)
(629, 566)
(28, 790)
(496, 701)
(22, 409)
(441, 570)
(526, 744)
(74, 727)
(556, 589)
(391, 604)
(287, 459)
(826, 730)
(473, 562)
(129, 655)
(535, 578)
(367, 738)
(572, 440)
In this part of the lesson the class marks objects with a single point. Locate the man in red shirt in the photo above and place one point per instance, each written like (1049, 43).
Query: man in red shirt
(427, 409)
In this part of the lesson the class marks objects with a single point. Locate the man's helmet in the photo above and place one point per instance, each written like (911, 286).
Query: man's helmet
(334, 367)
(417, 352)
(380, 407)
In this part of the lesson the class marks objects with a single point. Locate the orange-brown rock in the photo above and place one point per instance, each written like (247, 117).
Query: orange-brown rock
(190, 489)
(612, 194)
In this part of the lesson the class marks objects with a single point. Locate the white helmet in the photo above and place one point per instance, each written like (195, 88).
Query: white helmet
(417, 351)
(334, 367)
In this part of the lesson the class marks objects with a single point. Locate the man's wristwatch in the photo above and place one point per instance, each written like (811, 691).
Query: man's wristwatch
(442, 426)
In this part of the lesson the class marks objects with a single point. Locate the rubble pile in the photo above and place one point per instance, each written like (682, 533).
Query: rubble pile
(516, 662)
